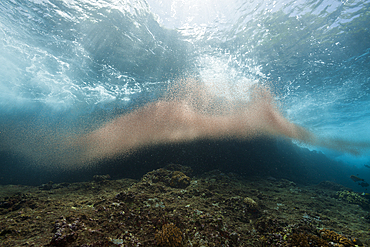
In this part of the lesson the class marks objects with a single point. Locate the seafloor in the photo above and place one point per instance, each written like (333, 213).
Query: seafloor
(168, 208)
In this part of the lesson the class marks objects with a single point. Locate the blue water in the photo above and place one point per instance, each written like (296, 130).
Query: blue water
(79, 62)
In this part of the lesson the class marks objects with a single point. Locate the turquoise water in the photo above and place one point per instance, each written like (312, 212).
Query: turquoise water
(70, 65)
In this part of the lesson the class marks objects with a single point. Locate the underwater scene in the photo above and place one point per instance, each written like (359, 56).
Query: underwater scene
(184, 123)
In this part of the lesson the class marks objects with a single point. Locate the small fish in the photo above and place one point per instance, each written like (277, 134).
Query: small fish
(364, 184)
(366, 195)
(356, 179)
(367, 166)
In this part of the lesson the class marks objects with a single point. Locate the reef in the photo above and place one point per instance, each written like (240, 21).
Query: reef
(171, 208)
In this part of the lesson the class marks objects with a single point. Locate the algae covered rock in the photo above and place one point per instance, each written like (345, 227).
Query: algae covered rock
(353, 198)
(250, 203)
(175, 179)
(179, 180)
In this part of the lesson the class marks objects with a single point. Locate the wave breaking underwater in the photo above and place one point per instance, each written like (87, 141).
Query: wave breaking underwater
(188, 112)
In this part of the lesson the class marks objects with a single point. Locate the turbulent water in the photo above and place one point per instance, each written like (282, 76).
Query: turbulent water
(68, 67)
